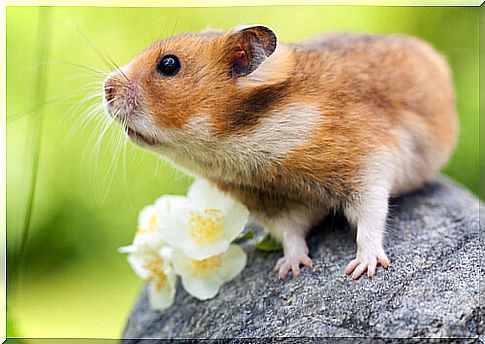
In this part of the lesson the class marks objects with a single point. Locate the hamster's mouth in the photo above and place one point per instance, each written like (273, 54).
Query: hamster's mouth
(132, 134)
(139, 138)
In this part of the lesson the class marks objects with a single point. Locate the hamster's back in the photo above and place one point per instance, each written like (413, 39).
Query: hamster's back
(400, 78)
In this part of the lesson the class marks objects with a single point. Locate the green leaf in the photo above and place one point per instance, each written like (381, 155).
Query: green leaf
(269, 244)
(249, 234)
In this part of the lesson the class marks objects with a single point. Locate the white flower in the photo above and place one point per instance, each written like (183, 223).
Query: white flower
(203, 278)
(190, 236)
(150, 258)
(147, 234)
(204, 224)
(157, 270)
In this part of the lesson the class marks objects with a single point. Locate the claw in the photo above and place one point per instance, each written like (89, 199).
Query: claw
(284, 269)
(366, 262)
(285, 264)
(279, 263)
(351, 266)
(383, 261)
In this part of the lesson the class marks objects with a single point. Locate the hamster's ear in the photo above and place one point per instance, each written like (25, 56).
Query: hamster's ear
(248, 47)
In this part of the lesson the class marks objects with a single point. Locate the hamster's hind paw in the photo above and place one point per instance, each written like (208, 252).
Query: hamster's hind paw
(293, 263)
(366, 262)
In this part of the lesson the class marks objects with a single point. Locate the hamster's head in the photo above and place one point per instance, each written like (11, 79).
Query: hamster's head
(185, 79)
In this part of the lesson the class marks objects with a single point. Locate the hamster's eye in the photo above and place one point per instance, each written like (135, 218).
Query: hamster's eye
(169, 65)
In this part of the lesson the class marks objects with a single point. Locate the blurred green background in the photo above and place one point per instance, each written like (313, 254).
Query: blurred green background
(71, 281)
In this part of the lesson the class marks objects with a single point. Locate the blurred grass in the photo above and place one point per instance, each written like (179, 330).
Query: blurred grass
(75, 284)
(32, 150)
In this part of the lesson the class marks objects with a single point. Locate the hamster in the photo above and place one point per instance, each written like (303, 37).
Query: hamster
(295, 131)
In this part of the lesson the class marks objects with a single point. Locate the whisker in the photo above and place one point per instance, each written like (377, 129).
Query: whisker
(110, 175)
(106, 127)
(118, 68)
(105, 60)
(99, 119)
(175, 26)
(42, 108)
(95, 71)
(75, 108)
(93, 111)
(97, 147)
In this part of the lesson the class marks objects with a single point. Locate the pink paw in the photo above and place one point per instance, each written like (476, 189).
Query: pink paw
(366, 261)
(287, 263)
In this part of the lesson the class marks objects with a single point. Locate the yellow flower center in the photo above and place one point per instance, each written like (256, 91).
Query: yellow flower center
(207, 267)
(156, 273)
(207, 226)
(152, 226)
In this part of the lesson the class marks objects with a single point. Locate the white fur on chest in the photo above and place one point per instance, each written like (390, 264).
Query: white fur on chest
(230, 157)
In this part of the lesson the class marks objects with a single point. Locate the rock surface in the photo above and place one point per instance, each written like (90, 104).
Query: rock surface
(435, 244)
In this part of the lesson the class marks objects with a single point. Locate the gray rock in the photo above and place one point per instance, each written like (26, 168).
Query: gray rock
(431, 288)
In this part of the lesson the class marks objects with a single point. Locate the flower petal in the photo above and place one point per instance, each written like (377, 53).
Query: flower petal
(202, 288)
(173, 226)
(233, 262)
(203, 195)
(197, 251)
(203, 279)
(137, 263)
(166, 252)
(163, 298)
(151, 241)
(147, 230)
(234, 221)
(184, 266)
(181, 263)
(200, 192)
(127, 249)
(168, 204)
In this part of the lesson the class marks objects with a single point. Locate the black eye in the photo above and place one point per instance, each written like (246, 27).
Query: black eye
(169, 65)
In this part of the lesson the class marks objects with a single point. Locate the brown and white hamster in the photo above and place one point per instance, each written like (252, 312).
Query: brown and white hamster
(293, 131)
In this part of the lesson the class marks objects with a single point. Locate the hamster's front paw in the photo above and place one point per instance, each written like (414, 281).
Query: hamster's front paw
(292, 262)
(366, 261)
